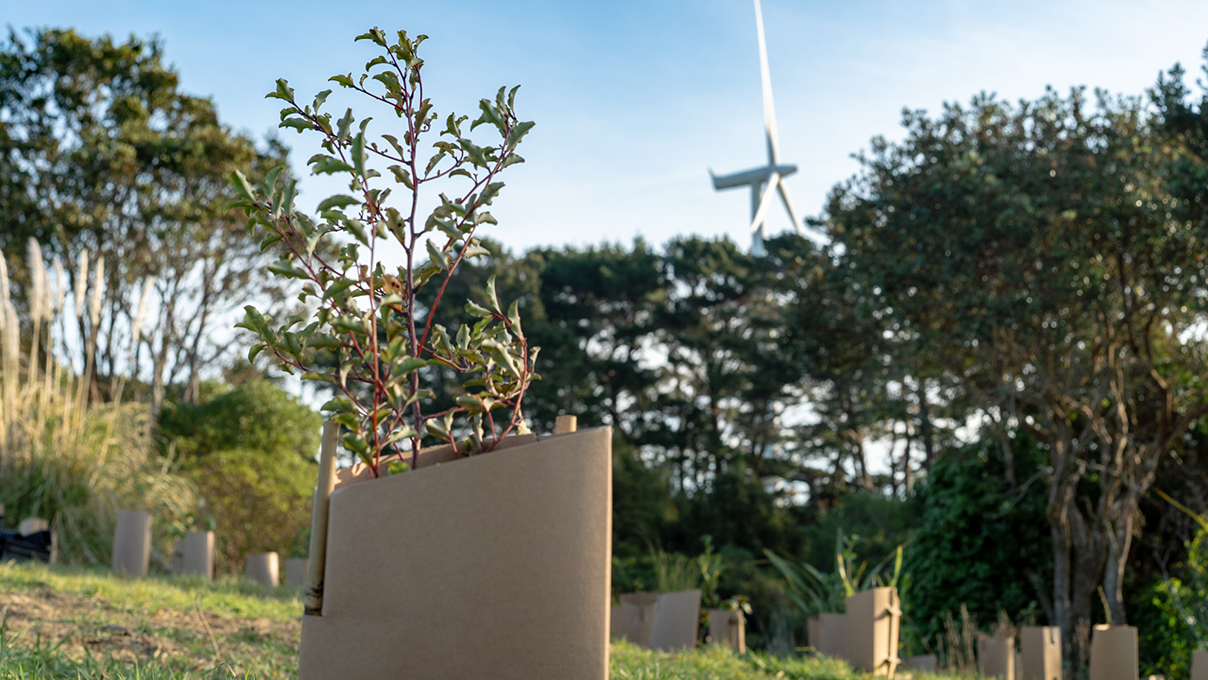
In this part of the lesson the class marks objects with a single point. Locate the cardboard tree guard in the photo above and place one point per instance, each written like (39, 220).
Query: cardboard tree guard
(637, 611)
(196, 554)
(132, 543)
(1114, 653)
(832, 631)
(996, 657)
(872, 622)
(492, 566)
(1199, 665)
(1040, 653)
(676, 621)
(264, 568)
(728, 627)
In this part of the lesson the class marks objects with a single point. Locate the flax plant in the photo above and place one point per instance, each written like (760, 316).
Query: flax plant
(63, 457)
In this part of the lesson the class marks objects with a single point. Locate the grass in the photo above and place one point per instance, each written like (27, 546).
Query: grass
(86, 624)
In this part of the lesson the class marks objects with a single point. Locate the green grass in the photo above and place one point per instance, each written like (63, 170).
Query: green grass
(81, 624)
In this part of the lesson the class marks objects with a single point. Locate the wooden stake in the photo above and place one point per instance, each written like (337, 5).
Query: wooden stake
(318, 521)
(566, 424)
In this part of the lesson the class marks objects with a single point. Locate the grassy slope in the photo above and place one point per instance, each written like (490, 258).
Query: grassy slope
(71, 623)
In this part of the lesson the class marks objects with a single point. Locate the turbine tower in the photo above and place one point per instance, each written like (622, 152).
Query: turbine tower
(765, 180)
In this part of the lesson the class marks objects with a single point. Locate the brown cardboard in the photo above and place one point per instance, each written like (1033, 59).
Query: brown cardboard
(872, 621)
(1199, 665)
(263, 568)
(676, 621)
(617, 625)
(728, 627)
(295, 571)
(638, 611)
(32, 525)
(1040, 653)
(492, 566)
(996, 657)
(132, 543)
(1114, 653)
(832, 633)
(197, 554)
(925, 663)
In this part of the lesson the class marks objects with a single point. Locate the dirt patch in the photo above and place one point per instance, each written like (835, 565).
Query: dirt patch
(193, 638)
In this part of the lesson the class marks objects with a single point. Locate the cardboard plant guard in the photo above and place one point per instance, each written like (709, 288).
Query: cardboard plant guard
(1199, 665)
(264, 568)
(996, 657)
(197, 554)
(1114, 653)
(132, 543)
(637, 610)
(832, 631)
(873, 617)
(491, 566)
(676, 621)
(728, 627)
(1040, 651)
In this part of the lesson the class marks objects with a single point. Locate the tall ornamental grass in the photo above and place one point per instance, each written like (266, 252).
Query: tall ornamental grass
(64, 455)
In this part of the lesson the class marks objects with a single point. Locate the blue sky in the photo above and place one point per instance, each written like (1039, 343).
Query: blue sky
(634, 101)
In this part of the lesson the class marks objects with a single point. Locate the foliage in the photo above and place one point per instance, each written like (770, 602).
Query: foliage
(368, 317)
(979, 545)
(250, 450)
(100, 150)
(65, 458)
(1043, 256)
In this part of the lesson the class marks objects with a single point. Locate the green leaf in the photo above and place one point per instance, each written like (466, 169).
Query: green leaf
(344, 125)
(491, 297)
(514, 318)
(337, 201)
(288, 269)
(321, 164)
(283, 91)
(242, 186)
(345, 81)
(298, 124)
(358, 153)
(477, 310)
(519, 130)
(407, 367)
(254, 352)
(357, 230)
(437, 256)
(402, 176)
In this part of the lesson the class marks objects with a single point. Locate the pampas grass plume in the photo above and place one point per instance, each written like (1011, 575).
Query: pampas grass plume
(81, 284)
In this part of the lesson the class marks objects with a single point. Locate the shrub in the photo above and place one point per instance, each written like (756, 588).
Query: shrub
(250, 450)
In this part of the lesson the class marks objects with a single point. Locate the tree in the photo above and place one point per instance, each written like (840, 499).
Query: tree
(101, 151)
(1037, 254)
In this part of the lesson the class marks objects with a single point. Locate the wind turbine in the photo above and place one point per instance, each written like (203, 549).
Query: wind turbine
(769, 178)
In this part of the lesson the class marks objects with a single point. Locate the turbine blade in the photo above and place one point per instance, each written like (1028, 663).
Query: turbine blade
(764, 202)
(788, 205)
(769, 111)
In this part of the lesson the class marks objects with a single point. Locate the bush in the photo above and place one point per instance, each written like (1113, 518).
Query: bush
(250, 450)
(978, 544)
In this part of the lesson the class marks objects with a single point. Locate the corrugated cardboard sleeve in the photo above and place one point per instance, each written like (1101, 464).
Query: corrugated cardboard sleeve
(493, 566)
